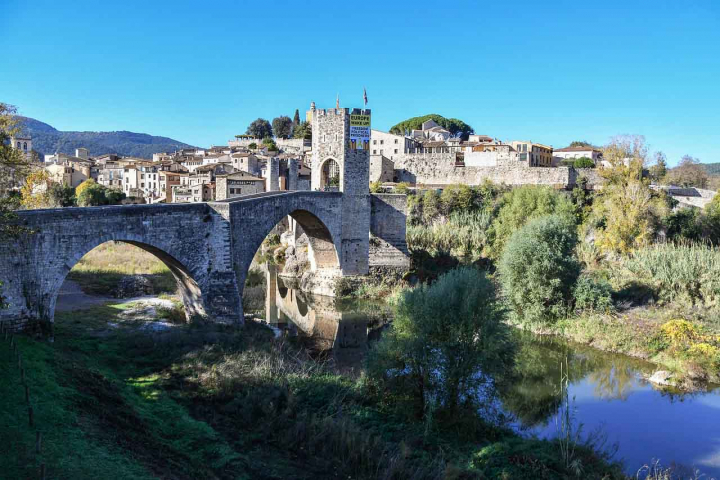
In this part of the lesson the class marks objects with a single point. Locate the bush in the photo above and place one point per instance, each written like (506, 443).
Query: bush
(402, 188)
(538, 270)
(683, 224)
(520, 205)
(442, 336)
(376, 187)
(592, 295)
(583, 162)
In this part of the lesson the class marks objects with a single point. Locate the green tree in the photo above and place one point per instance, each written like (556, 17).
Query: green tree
(282, 126)
(92, 195)
(626, 212)
(35, 190)
(659, 170)
(538, 270)
(583, 162)
(442, 336)
(689, 173)
(456, 127)
(260, 128)
(296, 118)
(430, 206)
(252, 146)
(303, 130)
(457, 198)
(581, 143)
(521, 204)
(61, 195)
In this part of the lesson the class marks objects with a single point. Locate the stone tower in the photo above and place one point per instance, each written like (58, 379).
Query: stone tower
(331, 143)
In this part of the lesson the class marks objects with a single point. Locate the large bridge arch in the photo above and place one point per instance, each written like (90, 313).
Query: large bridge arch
(318, 213)
(189, 289)
(192, 239)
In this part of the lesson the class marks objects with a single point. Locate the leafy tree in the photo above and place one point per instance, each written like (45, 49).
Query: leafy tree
(442, 336)
(296, 118)
(92, 195)
(14, 166)
(626, 212)
(252, 146)
(303, 130)
(35, 190)
(538, 269)
(260, 128)
(83, 186)
(430, 206)
(659, 170)
(520, 205)
(583, 162)
(282, 126)
(61, 195)
(457, 128)
(581, 143)
(683, 224)
(690, 173)
(458, 197)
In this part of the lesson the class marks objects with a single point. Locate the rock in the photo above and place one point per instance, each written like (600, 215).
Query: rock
(662, 378)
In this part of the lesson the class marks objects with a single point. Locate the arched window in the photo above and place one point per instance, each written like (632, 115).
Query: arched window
(330, 176)
(18, 146)
(25, 146)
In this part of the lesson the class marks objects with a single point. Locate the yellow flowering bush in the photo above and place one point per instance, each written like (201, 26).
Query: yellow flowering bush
(680, 333)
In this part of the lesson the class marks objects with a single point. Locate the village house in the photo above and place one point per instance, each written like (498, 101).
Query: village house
(535, 154)
(573, 153)
(236, 184)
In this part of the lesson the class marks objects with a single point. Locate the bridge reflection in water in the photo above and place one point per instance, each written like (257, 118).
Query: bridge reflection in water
(329, 329)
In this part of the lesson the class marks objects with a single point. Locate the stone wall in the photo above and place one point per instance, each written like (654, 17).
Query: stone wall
(381, 169)
(440, 169)
(388, 247)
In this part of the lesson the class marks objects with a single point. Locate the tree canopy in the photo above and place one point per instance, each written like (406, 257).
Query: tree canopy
(582, 143)
(690, 173)
(296, 118)
(282, 126)
(457, 128)
(303, 130)
(260, 128)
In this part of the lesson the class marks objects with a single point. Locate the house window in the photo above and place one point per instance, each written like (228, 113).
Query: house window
(396, 142)
(374, 142)
(382, 141)
(374, 152)
(381, 152)
(142, 185)
(25, 146)
(396, 150)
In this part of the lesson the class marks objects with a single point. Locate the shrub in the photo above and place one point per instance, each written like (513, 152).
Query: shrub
(442, 336)
(683, 224)
(402, 188)
(538, 269)
(376, 187)
(583, 162)
(457, 197)
(592, 295)
(520, 205)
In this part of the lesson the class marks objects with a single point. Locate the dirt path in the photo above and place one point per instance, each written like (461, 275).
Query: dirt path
(71, 297)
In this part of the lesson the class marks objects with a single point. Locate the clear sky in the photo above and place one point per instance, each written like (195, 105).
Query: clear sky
(550, 72)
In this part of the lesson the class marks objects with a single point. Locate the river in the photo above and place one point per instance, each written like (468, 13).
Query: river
(607, 394)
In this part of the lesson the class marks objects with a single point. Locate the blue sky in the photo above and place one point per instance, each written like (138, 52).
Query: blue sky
(199, 72)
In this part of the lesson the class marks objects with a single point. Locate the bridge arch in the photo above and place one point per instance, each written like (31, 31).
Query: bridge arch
(188, 287)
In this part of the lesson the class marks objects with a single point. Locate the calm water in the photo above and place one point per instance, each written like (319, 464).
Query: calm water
(607, 393)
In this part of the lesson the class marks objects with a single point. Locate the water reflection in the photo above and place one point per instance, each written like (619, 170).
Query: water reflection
(328, 328)
(607, 391)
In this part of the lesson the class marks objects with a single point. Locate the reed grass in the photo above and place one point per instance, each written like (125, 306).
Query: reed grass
(464, 233)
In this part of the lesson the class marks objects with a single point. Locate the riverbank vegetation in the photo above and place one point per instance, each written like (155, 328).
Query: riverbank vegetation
(133, 400)
(620, 268)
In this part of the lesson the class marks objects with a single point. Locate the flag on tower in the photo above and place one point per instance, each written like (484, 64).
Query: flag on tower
(365, 96)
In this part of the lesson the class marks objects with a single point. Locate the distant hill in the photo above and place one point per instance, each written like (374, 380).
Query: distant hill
(48, 140)
(712, 168)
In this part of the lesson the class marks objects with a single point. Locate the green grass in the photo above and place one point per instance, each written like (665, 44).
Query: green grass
(462, 233)
(100, 271)
(207, 401)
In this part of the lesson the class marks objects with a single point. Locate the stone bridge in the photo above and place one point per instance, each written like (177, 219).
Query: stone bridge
(207, 246)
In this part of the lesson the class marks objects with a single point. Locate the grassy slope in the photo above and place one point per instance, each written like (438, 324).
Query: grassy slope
(205, 402)
(101, 269)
